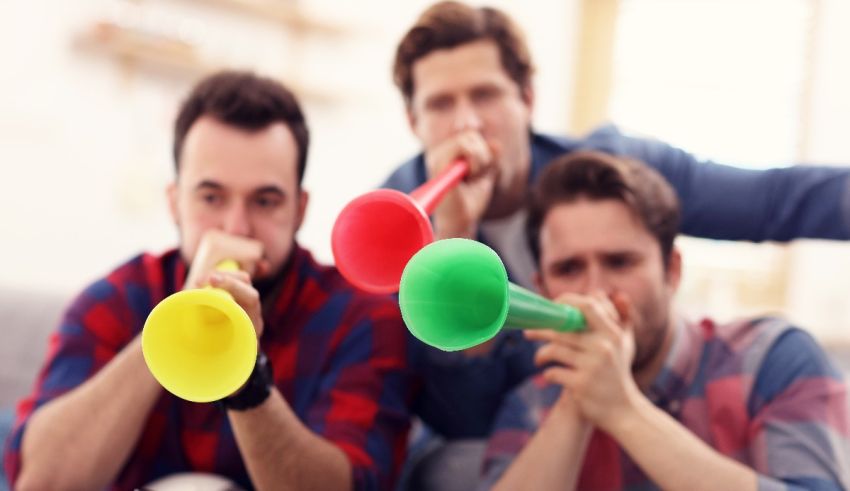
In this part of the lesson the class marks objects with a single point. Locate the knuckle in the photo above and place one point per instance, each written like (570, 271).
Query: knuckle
(598, 309)
(545, 352)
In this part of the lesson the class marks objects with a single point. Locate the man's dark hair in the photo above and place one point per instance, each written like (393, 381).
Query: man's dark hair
(246, 101)
(448, 25)
(597, 176)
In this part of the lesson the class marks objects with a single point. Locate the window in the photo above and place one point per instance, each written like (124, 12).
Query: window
(723, 79)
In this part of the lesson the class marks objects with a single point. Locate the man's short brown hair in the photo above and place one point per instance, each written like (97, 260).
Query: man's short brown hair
(597, 176)
(448, 25)
(246, 101)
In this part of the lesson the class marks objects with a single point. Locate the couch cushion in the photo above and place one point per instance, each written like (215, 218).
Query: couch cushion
(27, 318)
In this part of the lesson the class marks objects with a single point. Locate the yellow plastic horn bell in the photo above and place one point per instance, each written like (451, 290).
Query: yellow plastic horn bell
(200, 344)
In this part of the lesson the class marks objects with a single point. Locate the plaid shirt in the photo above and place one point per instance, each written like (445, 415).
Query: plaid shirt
(759, 391)
(338, 356)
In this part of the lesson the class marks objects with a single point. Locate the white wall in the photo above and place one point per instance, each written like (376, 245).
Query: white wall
(84, 139)
(819, 273)
(772, 89)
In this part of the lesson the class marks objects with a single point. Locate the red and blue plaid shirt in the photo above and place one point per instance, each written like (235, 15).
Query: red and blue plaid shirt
(758, 391)
(339, 359)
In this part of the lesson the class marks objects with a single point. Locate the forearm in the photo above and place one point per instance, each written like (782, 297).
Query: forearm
(729, 203)
(281, 453)
(82, 439)
(673, 457)
(552, 459)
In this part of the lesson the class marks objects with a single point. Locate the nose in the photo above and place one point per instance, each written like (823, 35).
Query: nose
(596, 280)
(466, 117)
(236, 221)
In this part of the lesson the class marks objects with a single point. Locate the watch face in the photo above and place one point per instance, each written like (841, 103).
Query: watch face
(264, 367)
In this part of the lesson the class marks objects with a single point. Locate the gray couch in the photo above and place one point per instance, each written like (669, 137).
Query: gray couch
(28, 318)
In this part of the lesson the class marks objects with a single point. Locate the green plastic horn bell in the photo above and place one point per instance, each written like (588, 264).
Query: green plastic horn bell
(455, 294)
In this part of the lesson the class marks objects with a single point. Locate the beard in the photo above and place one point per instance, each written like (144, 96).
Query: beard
(649, 340)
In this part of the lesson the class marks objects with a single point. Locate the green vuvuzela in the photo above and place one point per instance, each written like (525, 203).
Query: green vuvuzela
(455, 294)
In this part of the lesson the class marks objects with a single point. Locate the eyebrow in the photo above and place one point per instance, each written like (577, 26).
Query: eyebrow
(431, 98)
(270, 189)
(206, 183)
(267, 189)
(558, 263)
(605, 255)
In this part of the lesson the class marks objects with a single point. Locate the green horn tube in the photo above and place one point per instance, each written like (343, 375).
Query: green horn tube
(455, 294)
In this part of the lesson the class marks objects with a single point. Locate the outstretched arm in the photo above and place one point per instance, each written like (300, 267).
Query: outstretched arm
(731, 203)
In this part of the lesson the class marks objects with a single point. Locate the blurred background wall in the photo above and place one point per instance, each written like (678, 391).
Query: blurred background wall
(88, 91)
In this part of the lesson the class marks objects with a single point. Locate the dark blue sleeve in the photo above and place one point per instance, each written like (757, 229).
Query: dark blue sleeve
(730, 203)
(408, 176)
(463, 393)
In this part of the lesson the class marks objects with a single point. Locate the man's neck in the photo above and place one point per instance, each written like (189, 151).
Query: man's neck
(509, 199)
(269, 286)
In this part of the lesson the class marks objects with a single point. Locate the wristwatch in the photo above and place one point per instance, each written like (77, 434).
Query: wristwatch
(257, 388)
